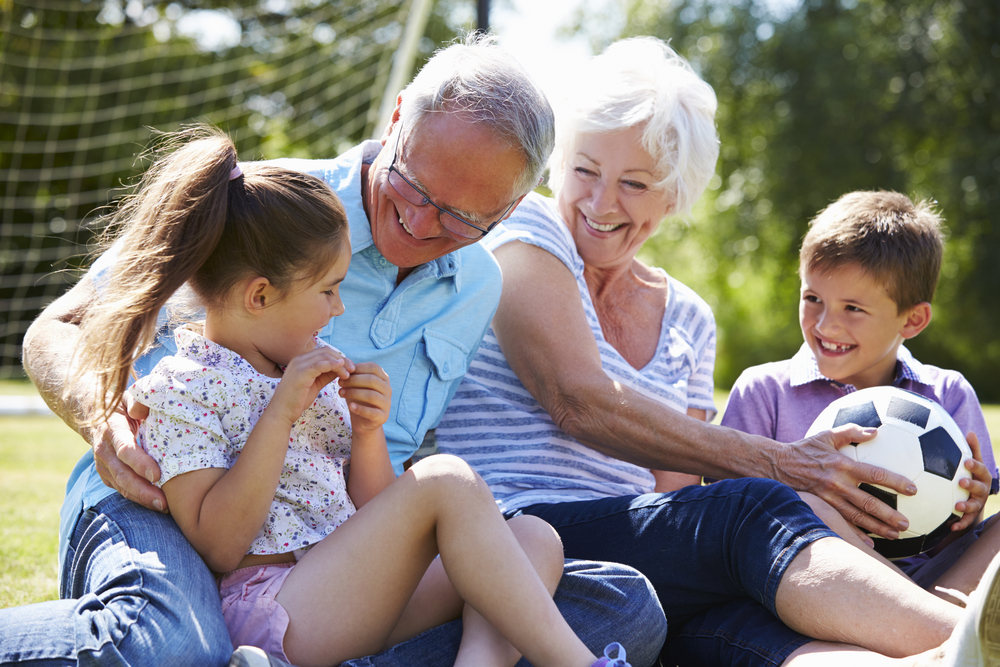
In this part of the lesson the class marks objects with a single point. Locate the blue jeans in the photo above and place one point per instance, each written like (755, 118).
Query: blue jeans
(136, 593)
(702, 548)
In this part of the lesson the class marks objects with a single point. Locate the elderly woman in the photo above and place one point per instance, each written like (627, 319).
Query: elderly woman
(577, 395)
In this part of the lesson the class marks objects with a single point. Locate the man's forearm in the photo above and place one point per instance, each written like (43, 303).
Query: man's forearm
(48, 348)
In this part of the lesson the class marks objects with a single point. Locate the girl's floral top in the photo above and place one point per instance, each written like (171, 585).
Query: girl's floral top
(203, 403)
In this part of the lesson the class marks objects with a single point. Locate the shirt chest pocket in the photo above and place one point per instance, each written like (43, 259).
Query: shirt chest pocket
(439, 362)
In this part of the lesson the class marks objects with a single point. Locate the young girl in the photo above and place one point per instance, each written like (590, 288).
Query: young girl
(270, 441)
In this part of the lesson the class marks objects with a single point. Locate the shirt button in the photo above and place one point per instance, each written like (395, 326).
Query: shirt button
(303, 440)
(171, 466)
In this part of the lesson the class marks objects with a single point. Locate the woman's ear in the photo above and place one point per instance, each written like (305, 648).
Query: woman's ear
(917, 320)
(258, 295)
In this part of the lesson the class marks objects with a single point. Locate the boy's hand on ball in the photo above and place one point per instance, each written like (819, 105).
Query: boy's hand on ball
(978, 487)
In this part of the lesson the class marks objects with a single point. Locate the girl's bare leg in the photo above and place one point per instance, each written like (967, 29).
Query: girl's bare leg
(482, 645)
(435, 601)
(347, 595)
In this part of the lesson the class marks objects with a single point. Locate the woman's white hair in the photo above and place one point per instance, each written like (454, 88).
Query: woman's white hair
(481, 80)
(643, 81)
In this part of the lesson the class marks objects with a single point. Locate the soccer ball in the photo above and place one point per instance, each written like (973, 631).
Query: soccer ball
(918, 439)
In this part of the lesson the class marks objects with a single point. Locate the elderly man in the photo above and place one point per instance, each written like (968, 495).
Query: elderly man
(467, 140)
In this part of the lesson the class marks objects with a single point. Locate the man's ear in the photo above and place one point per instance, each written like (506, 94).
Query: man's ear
(258, 295)
(393, 120)
(516, 204)
(917, 320)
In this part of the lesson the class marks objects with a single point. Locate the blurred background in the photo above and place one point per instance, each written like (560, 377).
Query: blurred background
(817, 98)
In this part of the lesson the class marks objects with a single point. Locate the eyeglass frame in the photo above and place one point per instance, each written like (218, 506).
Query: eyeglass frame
(427, 200)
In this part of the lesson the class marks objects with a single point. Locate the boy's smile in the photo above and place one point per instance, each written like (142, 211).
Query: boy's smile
(852, 325)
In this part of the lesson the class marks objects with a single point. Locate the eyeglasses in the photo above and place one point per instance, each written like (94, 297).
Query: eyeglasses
(414, 195)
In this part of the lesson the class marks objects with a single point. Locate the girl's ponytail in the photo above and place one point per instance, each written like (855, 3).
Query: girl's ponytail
(165, 231)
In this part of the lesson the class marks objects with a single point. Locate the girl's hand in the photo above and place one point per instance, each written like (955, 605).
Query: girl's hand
(978, 486)
(303, 379)
(368, 396)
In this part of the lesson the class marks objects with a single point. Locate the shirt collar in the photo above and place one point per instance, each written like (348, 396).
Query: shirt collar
(804, 369)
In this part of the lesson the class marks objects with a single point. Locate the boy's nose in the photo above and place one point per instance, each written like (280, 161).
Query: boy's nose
(827, 321)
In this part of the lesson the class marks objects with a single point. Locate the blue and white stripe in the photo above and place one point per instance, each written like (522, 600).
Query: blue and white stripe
(502, 431)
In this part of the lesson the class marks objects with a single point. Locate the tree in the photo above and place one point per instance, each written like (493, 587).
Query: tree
(82, 84)
(827, 98)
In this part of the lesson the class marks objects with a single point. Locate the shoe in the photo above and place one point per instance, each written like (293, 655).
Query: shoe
(608, 661)
(251, 656)
(976, 639)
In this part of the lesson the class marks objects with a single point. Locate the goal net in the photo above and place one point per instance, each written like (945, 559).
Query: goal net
(83, 82)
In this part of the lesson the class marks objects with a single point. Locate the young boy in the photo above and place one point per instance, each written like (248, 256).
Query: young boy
(869, 266)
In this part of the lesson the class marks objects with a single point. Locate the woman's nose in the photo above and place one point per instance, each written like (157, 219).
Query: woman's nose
(603, 200)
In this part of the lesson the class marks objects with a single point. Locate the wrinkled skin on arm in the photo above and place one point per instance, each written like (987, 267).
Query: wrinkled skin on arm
(568, 381)
(49, 345)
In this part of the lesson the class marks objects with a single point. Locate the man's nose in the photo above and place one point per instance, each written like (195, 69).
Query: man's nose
(424, 222)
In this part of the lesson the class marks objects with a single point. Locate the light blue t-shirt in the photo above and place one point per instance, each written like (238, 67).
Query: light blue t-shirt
(423, 332)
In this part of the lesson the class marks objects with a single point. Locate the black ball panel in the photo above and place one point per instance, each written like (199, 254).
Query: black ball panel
(941, 455)
(864, 415)
(908, 411)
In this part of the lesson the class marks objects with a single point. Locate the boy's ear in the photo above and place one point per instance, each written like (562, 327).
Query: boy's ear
(917, 320)
(257, 295)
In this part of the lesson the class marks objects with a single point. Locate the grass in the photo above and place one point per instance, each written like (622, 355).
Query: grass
(37, 454)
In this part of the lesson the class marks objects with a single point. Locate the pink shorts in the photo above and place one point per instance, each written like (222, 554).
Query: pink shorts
(251, 613)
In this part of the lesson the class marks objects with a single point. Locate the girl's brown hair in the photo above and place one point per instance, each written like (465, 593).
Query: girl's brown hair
(190, 222)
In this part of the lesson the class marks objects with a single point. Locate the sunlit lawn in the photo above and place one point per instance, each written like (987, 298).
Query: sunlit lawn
(36, 456)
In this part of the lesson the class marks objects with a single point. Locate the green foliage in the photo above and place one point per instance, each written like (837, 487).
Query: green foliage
(828, 98)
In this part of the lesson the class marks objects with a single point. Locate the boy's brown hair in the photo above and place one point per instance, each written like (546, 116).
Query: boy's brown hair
(896, 242)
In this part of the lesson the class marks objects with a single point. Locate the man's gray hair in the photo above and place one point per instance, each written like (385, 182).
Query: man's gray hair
(488, 86)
